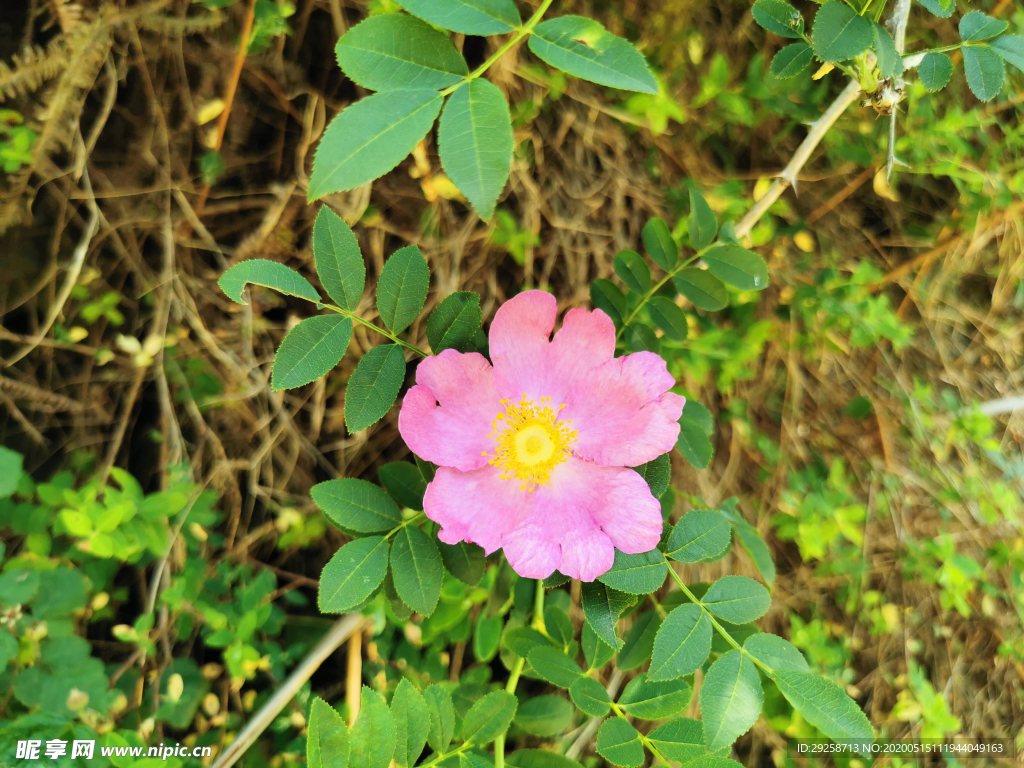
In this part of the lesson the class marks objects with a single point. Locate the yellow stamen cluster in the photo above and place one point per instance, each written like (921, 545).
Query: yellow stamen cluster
(529, 441)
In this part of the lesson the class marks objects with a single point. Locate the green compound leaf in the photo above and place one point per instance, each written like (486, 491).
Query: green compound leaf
(595, 650)
(373, 386)
(632, 271)
(702, 224)
(779, 18)
(659, 244)
(657, 473)
(454, 322)
(339, 262)
(823, 704)
(693, 443)
(310, 350)
(649, 700)
(618, 742)
(412, 722)
(682, 644)
(934, 71)
(402, 288)
(416, 569)
(370, 137)
(641, 338)
(774, 652)
(636, 574)
(546, 715)
(327, 740)
(890, 63)
(392, 51)
(269, 274)
(975, 26)
(639, 641)
(465, 561)
(554, 666)
(471, 17)
(702, 535)
(405, 483)
(730, 700)
(352, 575)
(681, 739)
(737, 599)
(590, 696)
(839, 33)
(608, 297)
(602, 607)
(791, 60)
(1011, 48)
(985, 71)
(522, 640)
(582, 47)
(356, 505)
(738, 267)
(374, 736)
(442, 717)
(475, 141)
(489, 718)
(669, 317)
(704, 290)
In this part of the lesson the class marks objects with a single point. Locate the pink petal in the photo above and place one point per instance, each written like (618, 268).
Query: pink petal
(456, 433)
(622, 412)
(588, 555)
(530, 553)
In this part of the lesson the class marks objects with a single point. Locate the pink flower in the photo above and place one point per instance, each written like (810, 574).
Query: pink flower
(534, 451)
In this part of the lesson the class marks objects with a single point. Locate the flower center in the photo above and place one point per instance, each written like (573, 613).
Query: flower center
(529, 441)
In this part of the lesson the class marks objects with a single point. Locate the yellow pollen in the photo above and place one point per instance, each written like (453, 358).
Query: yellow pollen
(530, 441)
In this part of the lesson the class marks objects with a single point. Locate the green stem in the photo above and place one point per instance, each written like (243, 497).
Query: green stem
(356, 318)
(657, 287)
(438, 758)
(517, 670)
(414, 519)
(943, 49)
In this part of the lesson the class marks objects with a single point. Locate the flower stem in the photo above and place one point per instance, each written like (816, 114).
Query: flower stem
(517, 670)
(657, 287)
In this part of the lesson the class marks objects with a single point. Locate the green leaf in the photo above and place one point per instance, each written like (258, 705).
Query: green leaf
(756, 548)
(546, 715)
(618, 742)
(934, 71)
(310, 350)
(327, 739)
(405, 483)
(975, 26)
(730, 700)
(582, 47)
(649, 700)
(823, 704)
(1011, 48)
(738, 267)
(682, 644)
(442, 717)
(356, 505)
(839, 33)
(558, 625)
(417, 570)
(698, 413)
(351, 576)
(489, 718)
(608, 297)
(339, 262)
(657, 473)
(659, 244)
(392, 51)
(412, 722)
(590, 696)
(632, 271)
(773, 651)
(779, 18)
(681, 739)
(402, 288)
(374, 736)
(595, 650)
(941, 8)
(464, 561)
(602, 607)
(791, 60)
(640, 338)
(554, 666)
(486, 636)
(454, 322)
(668, 317)
(702, 224)
(539, 758)
(713, 761)
(522, 640)
(704, 290)
(269, 274)
(737, 599)
(475, 141)
(890, 63)
(471, 17)
(636, 574)
(701, 535)
(985, 71)
(369, 138)
(373, 386)
(693, 443)
(8, 648)
(639, 641)
(10, 471)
